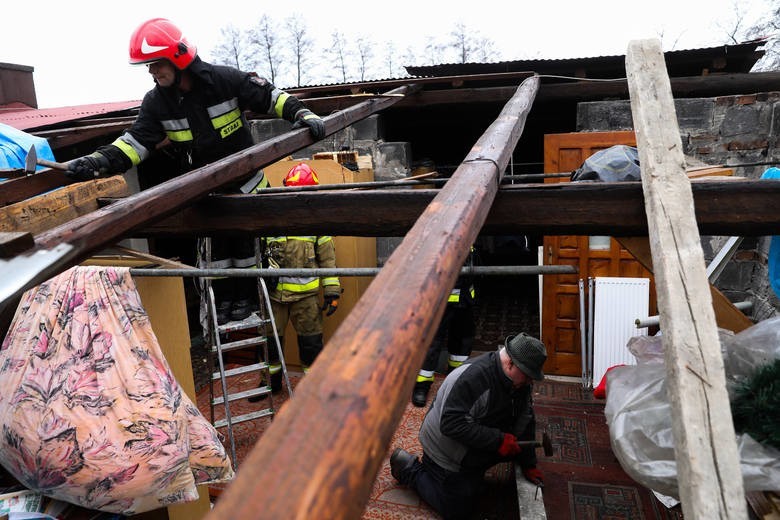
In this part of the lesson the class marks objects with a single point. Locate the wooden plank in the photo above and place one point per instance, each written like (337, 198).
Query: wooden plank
(737, 208)
(726, 315)
(708, 469)
(16, 190)
(321, 454)
(14, 242)
(57, 207)
(88, 233)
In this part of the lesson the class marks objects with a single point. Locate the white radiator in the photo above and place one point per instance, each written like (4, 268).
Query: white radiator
(617, 304)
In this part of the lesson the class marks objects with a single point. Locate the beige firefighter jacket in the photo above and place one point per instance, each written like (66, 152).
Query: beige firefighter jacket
(306, 252)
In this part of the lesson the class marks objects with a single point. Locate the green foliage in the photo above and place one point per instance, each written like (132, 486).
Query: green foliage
(756, 405)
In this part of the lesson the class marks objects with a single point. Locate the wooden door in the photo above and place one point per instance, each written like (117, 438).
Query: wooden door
(593, 256)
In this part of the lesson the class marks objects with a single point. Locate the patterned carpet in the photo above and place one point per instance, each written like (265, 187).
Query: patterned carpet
(583, 480)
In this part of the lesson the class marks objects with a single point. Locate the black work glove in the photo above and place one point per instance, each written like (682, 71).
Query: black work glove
(87, 167)
(330, 304)
(308, 118)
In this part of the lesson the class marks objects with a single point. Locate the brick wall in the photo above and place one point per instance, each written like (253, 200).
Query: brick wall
(728, 130)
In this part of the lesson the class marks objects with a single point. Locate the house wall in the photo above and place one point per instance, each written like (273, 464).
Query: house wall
(727, 130)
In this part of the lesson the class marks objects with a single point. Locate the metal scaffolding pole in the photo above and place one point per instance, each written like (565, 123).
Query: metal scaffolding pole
(498, 270)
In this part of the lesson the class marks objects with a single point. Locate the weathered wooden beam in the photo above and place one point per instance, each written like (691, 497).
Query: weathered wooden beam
(88, 233)
(14, 242)
(738, 208)
(321, 454)
(17, 190)
(708, 470)
(57, 207)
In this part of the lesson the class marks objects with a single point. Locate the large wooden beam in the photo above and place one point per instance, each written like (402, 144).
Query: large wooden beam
(319, 457)
(708, 470)
(737, 208)
(82, 236)
(51, 209)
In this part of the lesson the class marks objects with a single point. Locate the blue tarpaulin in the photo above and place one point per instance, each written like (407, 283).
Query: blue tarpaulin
(14, 145)
(774, 244)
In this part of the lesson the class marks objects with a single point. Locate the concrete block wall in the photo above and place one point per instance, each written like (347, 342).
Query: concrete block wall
(728, 130)
(391, 160)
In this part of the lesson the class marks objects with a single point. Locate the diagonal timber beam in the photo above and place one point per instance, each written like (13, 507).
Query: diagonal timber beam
(80, 237)
(708, 470)
(319, 457)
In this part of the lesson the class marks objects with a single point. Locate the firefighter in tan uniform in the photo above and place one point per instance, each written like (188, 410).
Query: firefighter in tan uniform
(296, 299)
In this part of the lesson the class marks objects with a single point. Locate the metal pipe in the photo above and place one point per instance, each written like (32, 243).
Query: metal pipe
(652, 321)
(497, 270)
(583, 339)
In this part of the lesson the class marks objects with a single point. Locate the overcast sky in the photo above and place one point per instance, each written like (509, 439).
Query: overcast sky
(79, 48)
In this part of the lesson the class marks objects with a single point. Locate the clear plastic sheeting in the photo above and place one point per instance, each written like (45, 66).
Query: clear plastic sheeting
(639, 414)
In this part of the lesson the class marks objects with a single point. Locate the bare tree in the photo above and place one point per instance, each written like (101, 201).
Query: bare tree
(365, 53)
(732, 26)
(263, 40)
(461, 42)
(409, 57)
(389, 49)
(434, 51)
(469, 45)
(338, 49)
(768, 28)
(301, 44)
(229, 49)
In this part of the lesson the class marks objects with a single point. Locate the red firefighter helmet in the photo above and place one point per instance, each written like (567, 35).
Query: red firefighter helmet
(158, 39)
(301, 175)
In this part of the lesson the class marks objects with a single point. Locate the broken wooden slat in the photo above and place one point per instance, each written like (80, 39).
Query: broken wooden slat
(57, 207)
(17, 190)
(14, 242)
(616, 209)
(320, 455)
(708, 470)
(727, 316)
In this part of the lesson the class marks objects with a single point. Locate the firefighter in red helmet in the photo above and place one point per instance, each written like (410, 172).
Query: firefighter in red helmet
(196, 110)
(296, 298)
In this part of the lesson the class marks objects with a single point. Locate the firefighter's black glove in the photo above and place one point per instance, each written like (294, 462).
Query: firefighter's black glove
(308, 118)
(330, 304)
(87, 167)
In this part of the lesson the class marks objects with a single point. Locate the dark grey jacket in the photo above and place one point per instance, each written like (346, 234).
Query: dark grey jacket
(473, 408)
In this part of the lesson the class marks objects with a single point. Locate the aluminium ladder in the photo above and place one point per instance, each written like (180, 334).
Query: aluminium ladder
(259, 321)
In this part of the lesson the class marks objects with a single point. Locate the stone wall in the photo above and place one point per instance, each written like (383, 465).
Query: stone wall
(739, 131)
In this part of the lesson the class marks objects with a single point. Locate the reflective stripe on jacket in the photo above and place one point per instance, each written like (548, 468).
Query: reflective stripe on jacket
(203, 125)
(307, 252)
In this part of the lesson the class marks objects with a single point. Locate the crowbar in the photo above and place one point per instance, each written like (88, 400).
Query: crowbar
(32, 161)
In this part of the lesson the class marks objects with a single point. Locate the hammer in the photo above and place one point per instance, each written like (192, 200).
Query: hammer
(32, 161)
(546, 444)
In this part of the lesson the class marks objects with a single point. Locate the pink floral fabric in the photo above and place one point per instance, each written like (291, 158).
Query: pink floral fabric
(90, 411)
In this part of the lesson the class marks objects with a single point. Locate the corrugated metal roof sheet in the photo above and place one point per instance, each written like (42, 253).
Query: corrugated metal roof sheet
(27, 118)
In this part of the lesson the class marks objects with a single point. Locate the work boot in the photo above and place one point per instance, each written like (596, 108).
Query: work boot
(401, 461)
(276, 387)
(223, 312)
(420, 393)
(241, 309)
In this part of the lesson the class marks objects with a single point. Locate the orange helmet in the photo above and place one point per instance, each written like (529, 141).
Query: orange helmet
(301, 175)
(158, 39)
